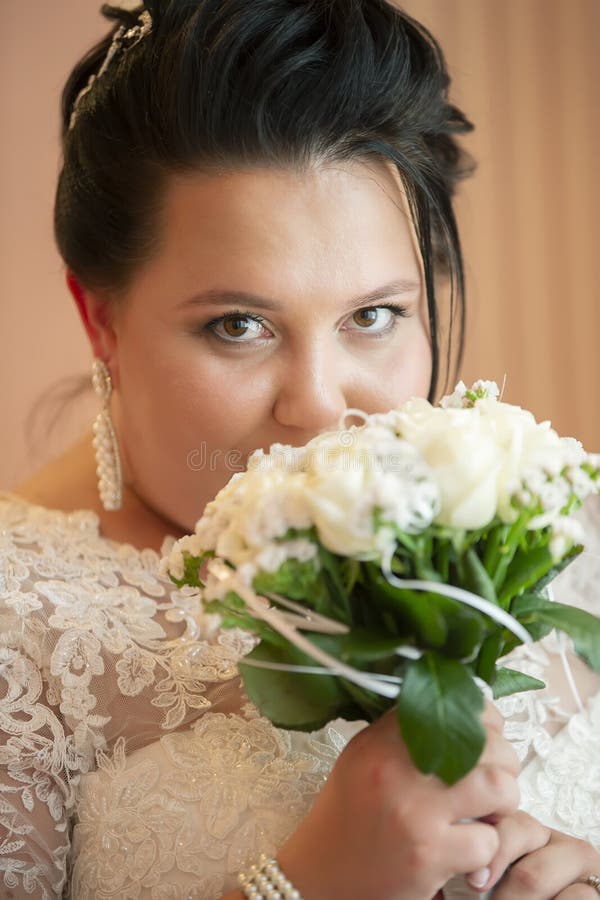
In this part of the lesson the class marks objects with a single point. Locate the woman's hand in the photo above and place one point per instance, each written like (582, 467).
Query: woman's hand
(383, 830)
(539, 863)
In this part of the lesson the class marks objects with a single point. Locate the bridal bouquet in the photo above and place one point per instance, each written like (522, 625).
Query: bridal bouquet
(394, 563)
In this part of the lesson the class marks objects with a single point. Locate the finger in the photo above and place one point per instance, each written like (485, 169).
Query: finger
(470, 846)
(578, 892)
(543, 874)
(386, 726)
(500, 752)
(487, 790)
(492, 717)
(518, 834)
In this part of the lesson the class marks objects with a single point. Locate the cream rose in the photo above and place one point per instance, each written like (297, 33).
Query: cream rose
(532, 453)
(483, 453)
(461, 449)
(354, 473)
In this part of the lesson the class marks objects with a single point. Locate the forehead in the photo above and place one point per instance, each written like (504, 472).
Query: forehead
(277, 230)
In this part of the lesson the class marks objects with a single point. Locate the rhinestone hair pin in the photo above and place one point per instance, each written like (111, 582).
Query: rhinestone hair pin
(123, 35)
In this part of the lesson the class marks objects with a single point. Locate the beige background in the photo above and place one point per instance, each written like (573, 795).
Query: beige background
(528, 74)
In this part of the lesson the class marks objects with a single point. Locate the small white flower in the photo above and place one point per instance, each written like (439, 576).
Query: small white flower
(524, 498)
(554, 495)
(464, 397)
(573, 453)
(274, 555)
(280, 457)
(456, 399)
(581, 483)
(483, 389)
(534, 480)
(173, 564)
(566, 532)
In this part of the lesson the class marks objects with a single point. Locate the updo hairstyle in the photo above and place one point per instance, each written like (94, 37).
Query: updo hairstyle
(218, 85)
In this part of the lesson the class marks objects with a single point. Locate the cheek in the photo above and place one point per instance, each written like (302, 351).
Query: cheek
(186, 405)
(186, 427)
(407, 373)
(421, 364)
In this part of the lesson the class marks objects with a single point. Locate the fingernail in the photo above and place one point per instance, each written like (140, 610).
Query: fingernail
(479, 878)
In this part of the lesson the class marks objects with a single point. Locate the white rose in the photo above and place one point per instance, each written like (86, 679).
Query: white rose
(460, 447)
(352, 474)
(532, 451)
(340, 507)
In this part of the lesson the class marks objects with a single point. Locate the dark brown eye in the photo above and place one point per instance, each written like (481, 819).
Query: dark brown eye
(235, 327)
(378, 320)
(238, 328)
(365, 317)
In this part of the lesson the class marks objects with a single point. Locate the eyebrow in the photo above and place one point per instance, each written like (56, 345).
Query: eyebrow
(244, 298)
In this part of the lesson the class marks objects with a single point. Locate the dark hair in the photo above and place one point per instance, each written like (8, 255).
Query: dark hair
(225, 84)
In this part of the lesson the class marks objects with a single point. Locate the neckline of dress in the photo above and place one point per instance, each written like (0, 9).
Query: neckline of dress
(94, 519)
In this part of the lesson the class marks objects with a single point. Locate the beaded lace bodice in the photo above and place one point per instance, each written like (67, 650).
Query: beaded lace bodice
(132, 765)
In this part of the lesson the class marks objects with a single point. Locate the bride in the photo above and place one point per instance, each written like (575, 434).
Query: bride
(255, 215)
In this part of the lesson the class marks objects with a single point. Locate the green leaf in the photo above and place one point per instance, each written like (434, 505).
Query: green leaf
(367, 645)
(557, 568)
(294, 579)
(508, 549)
(369, 706)
(476, 579)
(466, 627)
(415, 611)
(439, 715)
(582, 627)
(333, 577)
(442, 559)
(191, 569)
(526, 569)
(350, 570)
(489, 653)
(494, 541)
(293, 700)
(509, 681)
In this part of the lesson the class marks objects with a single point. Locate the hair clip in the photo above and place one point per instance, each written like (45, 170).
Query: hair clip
(133, 36)
(138, 32)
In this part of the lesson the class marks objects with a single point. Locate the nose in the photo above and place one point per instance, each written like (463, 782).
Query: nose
(311, 395)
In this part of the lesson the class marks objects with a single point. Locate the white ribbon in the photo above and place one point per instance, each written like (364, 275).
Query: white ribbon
(280, 622)
(469, 599)
(287, 624)
(562, 652)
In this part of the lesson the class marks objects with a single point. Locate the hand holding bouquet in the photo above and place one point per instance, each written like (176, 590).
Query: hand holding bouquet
(394, 563)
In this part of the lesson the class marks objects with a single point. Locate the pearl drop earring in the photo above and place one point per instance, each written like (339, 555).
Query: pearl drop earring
(110, 478)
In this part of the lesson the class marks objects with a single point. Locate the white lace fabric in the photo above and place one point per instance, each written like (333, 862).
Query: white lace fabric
(131, 765)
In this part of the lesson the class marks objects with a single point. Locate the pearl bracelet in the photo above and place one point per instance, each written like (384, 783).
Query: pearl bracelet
(266, 881)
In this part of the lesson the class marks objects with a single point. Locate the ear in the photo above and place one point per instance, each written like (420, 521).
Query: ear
(95, 313)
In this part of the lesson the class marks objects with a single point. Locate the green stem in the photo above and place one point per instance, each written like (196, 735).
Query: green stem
(507, 550)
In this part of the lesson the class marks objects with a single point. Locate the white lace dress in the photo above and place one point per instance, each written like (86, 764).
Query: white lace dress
(132, 765)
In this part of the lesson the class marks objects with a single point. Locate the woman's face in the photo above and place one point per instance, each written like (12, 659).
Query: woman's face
(276, 301)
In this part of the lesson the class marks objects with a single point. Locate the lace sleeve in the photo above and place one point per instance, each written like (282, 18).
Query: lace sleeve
(556, 731)
(40, 760)
(94, 647)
